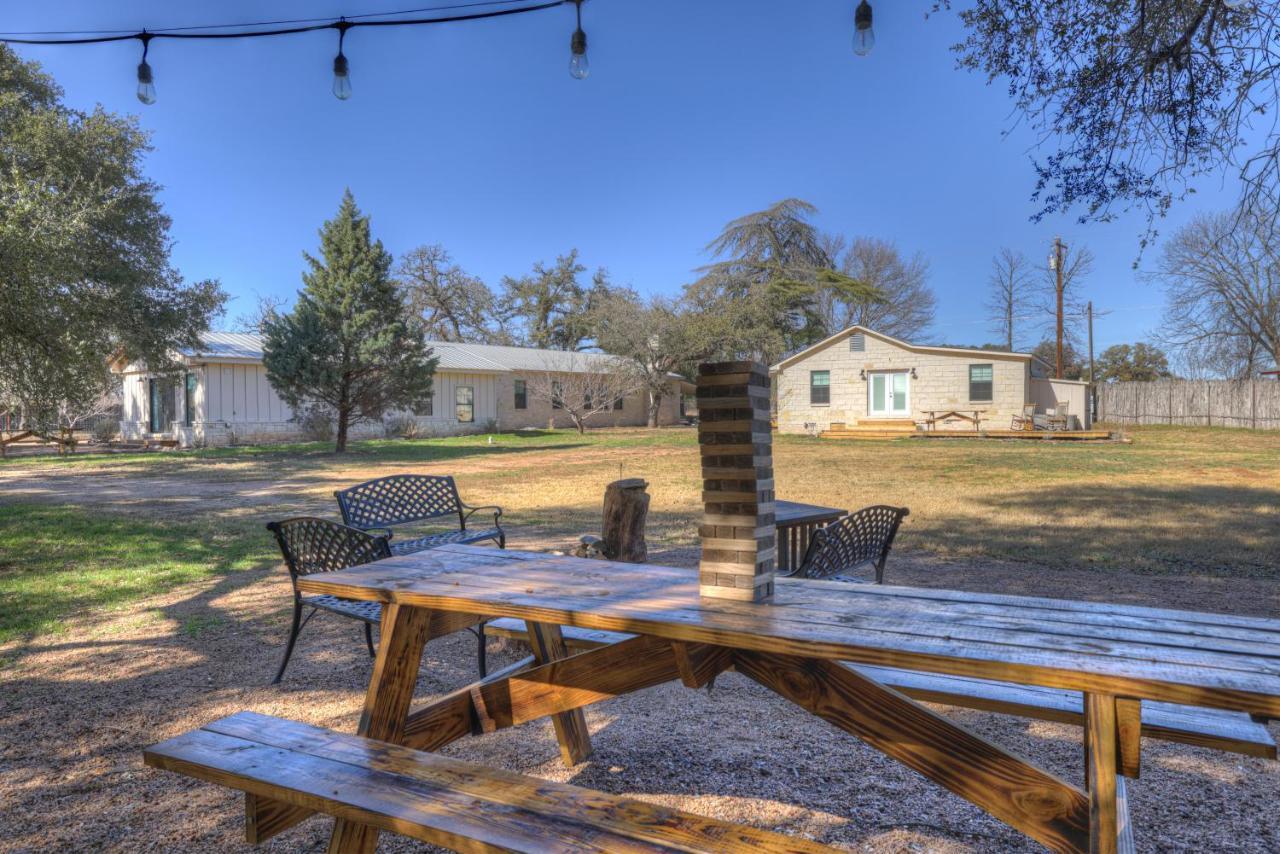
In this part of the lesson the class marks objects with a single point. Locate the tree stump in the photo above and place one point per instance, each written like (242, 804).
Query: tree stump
(735, 442)
(626, 507)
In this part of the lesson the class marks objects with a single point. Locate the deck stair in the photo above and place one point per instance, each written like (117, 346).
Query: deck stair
(871, 428)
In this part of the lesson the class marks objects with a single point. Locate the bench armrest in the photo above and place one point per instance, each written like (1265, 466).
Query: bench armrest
(468, 510)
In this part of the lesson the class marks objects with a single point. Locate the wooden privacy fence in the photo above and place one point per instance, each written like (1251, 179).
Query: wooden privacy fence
(1192, 403)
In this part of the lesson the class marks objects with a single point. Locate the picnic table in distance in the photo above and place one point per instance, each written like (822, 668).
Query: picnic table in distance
(933, 416)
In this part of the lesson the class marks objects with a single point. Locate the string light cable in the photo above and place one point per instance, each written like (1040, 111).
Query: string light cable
(477, 10)
(474, 11)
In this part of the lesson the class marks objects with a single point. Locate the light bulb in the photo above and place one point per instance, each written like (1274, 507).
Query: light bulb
(864, 37)
(579, 68)
(341, 78)
(146, 84)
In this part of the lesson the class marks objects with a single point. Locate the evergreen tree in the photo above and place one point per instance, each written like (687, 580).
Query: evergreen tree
(350, 345)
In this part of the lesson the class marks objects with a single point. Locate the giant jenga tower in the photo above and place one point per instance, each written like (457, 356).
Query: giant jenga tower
(737, 482)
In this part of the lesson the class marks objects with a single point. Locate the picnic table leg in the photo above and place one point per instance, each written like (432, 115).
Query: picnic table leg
(1100, 736)
(548, 645)
(386, 705)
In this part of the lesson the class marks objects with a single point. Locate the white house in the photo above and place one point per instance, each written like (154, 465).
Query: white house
(860, 376)
(222, 395)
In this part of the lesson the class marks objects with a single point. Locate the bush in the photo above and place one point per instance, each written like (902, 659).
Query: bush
(104, 431)
(402, 427)
(316, 424)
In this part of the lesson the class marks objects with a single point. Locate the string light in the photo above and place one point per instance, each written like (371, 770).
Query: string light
(864, 37)
(578, 66)
(146, 81)
(341, 72)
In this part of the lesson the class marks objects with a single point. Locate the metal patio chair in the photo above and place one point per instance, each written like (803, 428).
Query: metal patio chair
(861, 538)
(312, 545)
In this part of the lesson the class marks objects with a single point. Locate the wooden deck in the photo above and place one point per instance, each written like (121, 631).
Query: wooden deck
(867, 431)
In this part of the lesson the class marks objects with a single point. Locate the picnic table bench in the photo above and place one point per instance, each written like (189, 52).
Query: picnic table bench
(933, 416)
(1119, 658)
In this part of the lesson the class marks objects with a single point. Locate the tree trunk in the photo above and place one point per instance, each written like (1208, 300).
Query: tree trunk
(580, 423)
(340, 445)
(626, 507)
(655, 405)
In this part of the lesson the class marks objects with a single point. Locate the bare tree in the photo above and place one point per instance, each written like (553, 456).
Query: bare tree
(1221, 275)
(902, 305)
(454, 305)
(653, 338)
(1077, 264)
(266, 309)
(579, 392)
(1008, 293)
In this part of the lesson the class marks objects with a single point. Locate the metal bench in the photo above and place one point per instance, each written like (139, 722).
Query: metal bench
(1235, 732)
(402, 499)
(290, 771)
(864, 537)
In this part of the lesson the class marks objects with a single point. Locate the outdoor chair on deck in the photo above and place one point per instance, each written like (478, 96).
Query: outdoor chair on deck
(312, 545)
(1026, 420)
(861, 538)
(401, 499)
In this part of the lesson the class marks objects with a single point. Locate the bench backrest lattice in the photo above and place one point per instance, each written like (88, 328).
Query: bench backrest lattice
(311, 545)
(400, 499)
(847, 544)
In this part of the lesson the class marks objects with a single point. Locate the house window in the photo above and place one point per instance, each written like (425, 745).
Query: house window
(430, 408)
(557, 401)
(189, 400)
(464, 399)
(857, 343)
(980, 383)
(820, 387)
(586, 400)
(617, 403)
(522, 395)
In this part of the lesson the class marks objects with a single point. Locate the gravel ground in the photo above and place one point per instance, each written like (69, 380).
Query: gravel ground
(77, 708)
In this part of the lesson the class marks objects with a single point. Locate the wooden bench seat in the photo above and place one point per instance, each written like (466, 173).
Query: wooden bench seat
(286, 768)
(1235, 732)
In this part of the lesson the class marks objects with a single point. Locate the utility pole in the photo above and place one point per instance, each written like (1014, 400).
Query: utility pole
(1089, 309)
(1055, 261)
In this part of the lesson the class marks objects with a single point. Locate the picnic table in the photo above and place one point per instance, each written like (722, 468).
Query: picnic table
(933, 416)
(796, 523)
(1120, 657)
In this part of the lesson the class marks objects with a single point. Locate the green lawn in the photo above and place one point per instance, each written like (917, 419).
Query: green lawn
(56, 560)
(1202, 501)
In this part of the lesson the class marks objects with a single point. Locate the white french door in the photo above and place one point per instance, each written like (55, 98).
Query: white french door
(889, 394)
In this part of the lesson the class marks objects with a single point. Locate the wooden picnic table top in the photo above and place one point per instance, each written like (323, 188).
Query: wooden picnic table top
(1197, 659)
(794, 513)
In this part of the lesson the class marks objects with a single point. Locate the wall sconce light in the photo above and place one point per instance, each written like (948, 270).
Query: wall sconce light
(913, 374)
(862, 375)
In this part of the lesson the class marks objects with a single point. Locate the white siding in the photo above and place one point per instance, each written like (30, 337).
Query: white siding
(444, 388)
(241, 394)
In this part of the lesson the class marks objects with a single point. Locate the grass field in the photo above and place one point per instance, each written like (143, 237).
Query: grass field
(102, 531)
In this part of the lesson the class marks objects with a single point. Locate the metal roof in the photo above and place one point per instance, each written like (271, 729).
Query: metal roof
(453, 356)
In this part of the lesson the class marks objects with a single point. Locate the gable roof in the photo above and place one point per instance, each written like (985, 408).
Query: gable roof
(914, 348)
(453, 356)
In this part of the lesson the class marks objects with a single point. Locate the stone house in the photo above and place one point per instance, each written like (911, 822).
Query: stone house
(860, 376)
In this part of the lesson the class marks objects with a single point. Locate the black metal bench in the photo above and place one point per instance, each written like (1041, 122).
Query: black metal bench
(401, 499)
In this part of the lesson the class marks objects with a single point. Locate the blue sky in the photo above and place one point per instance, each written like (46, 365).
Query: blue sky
(474, 136)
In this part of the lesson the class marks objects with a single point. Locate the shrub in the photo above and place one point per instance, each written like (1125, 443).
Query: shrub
(402, 427)
(316, 424)
(104, 431)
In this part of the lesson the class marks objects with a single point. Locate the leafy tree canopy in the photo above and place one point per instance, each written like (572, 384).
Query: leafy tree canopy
(84, 253)
(1136, 97)
(1073, 368)
(1138, 363)
(551, 308)
(350, 344)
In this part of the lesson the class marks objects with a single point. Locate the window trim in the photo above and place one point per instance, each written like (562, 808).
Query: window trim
(189, 399)
(989, 383)
(520, 394)
(826, 388)
(557, 394)
(469, 405)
